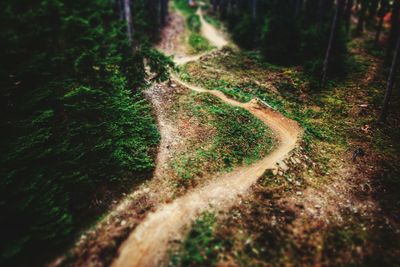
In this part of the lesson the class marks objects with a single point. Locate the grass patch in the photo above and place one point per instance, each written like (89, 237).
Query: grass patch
(200, 248)
(183, 6)
(216, 23)
(238, 84)
(238, 138)
(198, 43)
(194, 23)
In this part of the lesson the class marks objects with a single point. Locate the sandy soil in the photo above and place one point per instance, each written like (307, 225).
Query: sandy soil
(148, 243)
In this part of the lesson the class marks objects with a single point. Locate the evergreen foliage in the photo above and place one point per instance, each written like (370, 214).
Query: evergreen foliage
(288, 32)
(73, 118)
(280, 35)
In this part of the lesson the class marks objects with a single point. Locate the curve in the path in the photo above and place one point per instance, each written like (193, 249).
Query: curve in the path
(148, 243)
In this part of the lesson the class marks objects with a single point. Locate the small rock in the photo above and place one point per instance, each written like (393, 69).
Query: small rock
(317, 206)
(299, 205)
(123, 222)
(299, 193)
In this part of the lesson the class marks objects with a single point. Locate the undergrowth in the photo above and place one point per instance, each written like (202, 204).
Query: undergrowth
(201, 247)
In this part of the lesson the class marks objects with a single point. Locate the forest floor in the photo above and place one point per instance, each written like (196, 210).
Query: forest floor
(189, 121)
(148, 243)
(317, 208)
(325, 208)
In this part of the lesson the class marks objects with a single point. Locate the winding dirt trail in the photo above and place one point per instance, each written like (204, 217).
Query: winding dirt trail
(147, 245)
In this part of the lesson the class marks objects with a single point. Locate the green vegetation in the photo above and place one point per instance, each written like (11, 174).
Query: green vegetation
(75, 126)
(287, 33)
(236, 84)
(269, 228)
(196, 41)
(193, 22)
(216, 23)
(183, 7)
(239, 138)
(200, 247)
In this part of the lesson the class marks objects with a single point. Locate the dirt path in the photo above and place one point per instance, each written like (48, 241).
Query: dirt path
(148, 243)
(215, 37)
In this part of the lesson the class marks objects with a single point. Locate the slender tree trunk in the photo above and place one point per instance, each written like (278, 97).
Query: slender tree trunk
(223, 8)
(163, 11)
(335, 23)
(254, 9)
(394, 29)
(378, 30)
(390, 82)
(128, 19)
(230, 6)
(215, 4)
(381, 13)
(347, 14)
(299, 7)
(357, 5)
(361, 16)
(373, 9)
(121, 9)
(321, 11)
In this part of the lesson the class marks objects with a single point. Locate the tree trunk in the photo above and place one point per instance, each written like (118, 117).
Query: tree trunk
(394, 29)
(381, 14)
(347, 14)
(321, 11)
(121, 9)
(373, 9)
(361, 16)
(390, 82)
(163, 11)
(223, 8)
(128, 19)
(335, 22)
(254, 9)
(299, 7)
(215, 4)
